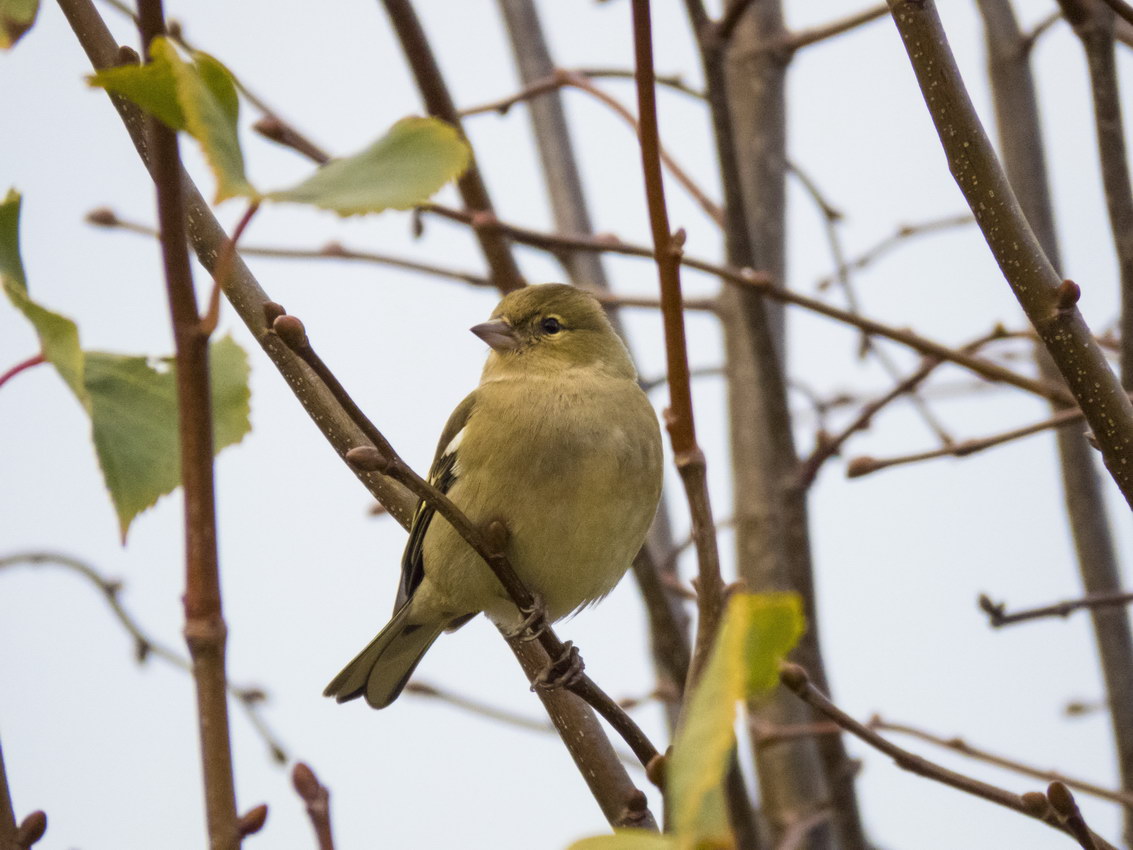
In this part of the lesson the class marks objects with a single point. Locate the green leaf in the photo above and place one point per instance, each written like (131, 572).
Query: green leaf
(198, 97)
(134, 421)
(207, 95)
(402, 169)
(756, 633)
(16, 18)
(627, 839)
(152, 87)
(58, 335)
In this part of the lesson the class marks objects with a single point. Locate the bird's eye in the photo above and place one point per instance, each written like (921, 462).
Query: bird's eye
(550, 325)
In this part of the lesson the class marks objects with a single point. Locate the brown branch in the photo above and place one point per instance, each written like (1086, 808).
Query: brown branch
(107, 218)
(1050, 303)
(316, 798)
(1097, 36)
(679, 420)
(561, 78)
(831, 217)
(205, 630)
(903, 233)
(758, 282)
(959, 745)
(865, 465)
(1123, 9)
(998, 616)
(671, 81)
(250, 697)
(487, 543)
(796, 680)
(807, 37)
(438, 102)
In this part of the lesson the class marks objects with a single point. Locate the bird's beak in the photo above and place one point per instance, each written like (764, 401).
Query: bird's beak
(498, 334)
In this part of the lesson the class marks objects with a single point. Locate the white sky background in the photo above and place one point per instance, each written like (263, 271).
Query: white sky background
(109, 749)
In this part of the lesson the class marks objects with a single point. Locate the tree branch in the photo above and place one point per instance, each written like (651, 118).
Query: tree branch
(1049, 303)
(761, 284)
(316, 797)
(796, 680)
(561, 78)
(679, 418)
(250, 697)
(438, 102)
(959, 745)
(205, 629)
(998, 616)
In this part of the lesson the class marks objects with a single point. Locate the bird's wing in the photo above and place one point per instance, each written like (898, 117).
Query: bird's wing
(442, 475)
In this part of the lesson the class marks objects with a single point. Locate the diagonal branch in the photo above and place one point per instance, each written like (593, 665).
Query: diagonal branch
(796, 680)
(1049, 302)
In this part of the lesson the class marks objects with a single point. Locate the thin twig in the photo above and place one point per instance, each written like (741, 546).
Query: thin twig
(34, 360)
(865, 465)
(9, 830)
(762, 284)
(671, 81)
(903, 233)
(796, 680)
(959, 745)
(813, 35)
(679, 420)
(205, 630)
(998, 616)
(831, 218)
(562, 78)
(250, 697)
(438, 102)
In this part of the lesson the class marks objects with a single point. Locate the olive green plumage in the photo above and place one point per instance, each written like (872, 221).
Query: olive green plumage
(560, 443)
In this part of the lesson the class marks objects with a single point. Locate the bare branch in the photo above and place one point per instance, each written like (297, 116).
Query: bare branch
(864, 465)
(1050, 303)
(961, 746)
(998, 616)
(807, 37)
(250, 697)
(561, 78)
(796, 680)
(761, 283)
(205, 629)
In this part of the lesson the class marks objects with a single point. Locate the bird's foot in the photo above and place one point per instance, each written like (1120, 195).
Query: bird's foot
(561, 672)
(533, 624)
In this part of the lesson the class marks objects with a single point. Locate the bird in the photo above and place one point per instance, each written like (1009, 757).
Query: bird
(560, 444)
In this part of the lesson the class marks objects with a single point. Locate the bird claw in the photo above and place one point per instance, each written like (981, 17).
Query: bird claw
(534, 622)
(562, 672)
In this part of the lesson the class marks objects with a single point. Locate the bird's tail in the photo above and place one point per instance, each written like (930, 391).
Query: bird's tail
(381, 670)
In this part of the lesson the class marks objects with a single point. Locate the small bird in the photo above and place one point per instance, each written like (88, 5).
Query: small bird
(561, 445)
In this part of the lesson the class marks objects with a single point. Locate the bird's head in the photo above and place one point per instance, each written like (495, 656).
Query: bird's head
(552, 327)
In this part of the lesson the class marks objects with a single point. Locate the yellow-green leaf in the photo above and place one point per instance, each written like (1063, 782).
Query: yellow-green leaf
(58, 335)
(756, 633)
(134, 421)
(402, 169)
(208, 99)
(627, 839)
(198, 97)
(151, 87)
(16, 18)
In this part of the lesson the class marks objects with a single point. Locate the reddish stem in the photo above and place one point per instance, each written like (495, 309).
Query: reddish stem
(20, 367)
